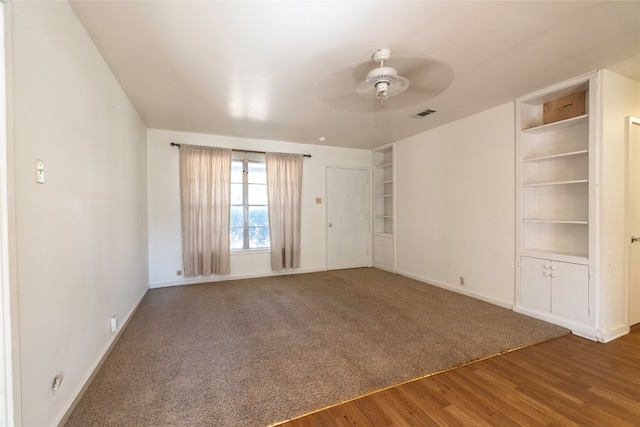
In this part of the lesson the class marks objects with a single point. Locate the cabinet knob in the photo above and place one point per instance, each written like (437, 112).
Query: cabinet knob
(548, 266)
(635, 239)
(547, 274)
(330, 225)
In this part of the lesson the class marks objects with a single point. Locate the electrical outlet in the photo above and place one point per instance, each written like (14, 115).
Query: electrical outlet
(57, 381)
(461, 280)
(178, 272)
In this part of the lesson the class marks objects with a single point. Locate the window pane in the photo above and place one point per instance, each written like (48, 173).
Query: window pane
(236, 194)
(257, 194)
(236, 234)
(257, 173)
(237, 216)
(259, 237)
(236, 171)
(258, 216)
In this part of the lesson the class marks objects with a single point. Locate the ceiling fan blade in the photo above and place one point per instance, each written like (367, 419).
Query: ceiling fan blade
(352, 102)
(429, 75)
(346, 89)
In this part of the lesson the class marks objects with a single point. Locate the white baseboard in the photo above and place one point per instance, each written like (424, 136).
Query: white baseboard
(612, 334)
(217, 278)
(576, 328)
(84, 385)
(384, 267)
(500, 303)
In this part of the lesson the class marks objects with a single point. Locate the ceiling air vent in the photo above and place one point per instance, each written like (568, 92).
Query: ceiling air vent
(423, 114)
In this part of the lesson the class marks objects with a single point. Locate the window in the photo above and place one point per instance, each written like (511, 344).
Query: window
(249, 212)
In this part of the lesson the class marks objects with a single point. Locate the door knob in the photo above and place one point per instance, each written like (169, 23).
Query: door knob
(635, 239)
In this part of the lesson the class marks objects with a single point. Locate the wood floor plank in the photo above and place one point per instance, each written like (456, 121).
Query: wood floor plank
(568, 381)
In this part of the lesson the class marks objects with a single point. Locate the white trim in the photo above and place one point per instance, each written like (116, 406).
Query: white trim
(499, 303)
(210, 279)
(84, 384)
(612, 334)
(11, 412)
(627, 227)
(576, 328)
(385, 268)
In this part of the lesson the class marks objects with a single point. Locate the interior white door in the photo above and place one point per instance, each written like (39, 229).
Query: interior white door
(633, 216)
(347, 218)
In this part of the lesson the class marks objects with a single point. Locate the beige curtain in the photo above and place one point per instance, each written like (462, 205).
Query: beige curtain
(205, 187)
(284, 190)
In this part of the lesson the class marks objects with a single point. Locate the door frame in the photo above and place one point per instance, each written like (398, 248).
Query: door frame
(10, 405)
(326, 210)
(631, 121)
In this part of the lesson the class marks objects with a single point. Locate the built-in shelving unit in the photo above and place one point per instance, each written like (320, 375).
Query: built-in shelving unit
(383, 207)
(555, 212)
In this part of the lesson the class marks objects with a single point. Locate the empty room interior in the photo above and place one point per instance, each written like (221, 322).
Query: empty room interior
(320, 213)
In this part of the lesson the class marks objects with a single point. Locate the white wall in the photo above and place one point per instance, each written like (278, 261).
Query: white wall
(456, 205)
(620, 99)
(165, 246)
(82, 236)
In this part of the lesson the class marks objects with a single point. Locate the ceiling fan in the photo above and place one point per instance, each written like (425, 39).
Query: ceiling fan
(411, 80)
(382, 82)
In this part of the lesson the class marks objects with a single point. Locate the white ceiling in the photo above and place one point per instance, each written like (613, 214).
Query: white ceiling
(264, 69)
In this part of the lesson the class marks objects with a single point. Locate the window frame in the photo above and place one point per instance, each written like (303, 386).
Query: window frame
(245, 206)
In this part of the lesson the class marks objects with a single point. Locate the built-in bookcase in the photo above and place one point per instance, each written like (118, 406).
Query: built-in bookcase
(555, 212)
(383, 207)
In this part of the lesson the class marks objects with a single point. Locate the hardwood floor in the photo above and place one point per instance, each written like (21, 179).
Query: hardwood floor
(568, 381)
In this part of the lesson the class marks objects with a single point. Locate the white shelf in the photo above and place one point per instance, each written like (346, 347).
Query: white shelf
(557, 156)
(541, 184)
(556, 221)
(547, 253)
(389, 235)
(562, 124)
(386, 165)
(384, 195)
(384, 216)
(383, 182)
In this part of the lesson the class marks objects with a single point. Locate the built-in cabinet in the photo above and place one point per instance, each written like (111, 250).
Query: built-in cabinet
(384, 207)
(556, 205)
(559, 288)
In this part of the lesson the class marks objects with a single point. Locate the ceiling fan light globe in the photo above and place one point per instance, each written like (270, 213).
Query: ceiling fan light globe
(382, 89)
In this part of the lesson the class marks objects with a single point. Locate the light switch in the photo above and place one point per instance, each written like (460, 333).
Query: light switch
(39, 171)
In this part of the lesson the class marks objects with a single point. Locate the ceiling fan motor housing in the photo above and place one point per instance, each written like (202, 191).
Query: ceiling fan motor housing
(381, 78)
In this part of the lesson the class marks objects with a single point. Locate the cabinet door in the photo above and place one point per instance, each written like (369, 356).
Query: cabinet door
(570, 290)
(535, 283)
(383, 251)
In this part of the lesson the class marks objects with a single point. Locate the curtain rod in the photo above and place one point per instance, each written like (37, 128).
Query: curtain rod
(174, 144)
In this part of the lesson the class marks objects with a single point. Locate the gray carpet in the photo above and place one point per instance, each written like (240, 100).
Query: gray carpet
(259, 351)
